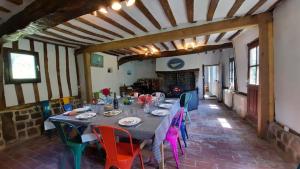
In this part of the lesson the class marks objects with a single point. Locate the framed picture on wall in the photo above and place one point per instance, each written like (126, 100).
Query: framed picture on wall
(96, 60)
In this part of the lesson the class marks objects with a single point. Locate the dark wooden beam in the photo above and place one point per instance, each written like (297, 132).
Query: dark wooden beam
(189, 32)
(2, 94)
(68, 71)
(41, 15)
(78, 77)
(256, 6)
(275, 5)
(5, 10)
(190, 10)
(114, 23)
(16, 2)
(131, 20)
(98, 27)
(147, 13)
(68, 24)
(174, 45)
(183, 43)
(210, 14)
(221, 35)
(235, 35)
(65, 38)
(175, 53)
(46, 38)
(75, 35)
(168, 11)
(110, 53)
(164, 45)
(58, 71)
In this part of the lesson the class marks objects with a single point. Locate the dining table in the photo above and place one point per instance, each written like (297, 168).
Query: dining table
(151, 127)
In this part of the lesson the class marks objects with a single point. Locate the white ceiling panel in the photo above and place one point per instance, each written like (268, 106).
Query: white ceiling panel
(200, 9)
(161, 48)
(265, 6)
(105, 25)
(228, 35)
(178, 44)
(178, 8)
(41, 34)
(200, 40)
(79, 32)
(158, 13)
(223, 8)
(246, 6)
(119, 19)
(50, 41)
(137, 50)
(170, 46)
(14, 9)
(72, 37)
(89, 28)
(212, 38)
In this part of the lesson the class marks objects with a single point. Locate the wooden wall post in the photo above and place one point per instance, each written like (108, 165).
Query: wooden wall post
(2, 96)
(88, 76)
(266, 77)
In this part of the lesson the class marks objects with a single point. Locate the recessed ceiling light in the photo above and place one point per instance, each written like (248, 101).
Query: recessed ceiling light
(130, 2)
(116, 5)
(103, 10)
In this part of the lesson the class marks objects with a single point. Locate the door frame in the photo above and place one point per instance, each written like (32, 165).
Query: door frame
(203, 77)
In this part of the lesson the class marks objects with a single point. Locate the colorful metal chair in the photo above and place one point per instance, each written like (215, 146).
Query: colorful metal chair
(173, 135)
(48, 125)
(187, 98)
(68, 107)
(184, 101)
(71, 137)
(120, 155)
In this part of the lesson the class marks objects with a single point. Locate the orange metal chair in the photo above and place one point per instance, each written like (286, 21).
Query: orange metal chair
(120, 155)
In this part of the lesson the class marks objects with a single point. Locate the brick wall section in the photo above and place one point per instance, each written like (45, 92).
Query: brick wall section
(288, 142)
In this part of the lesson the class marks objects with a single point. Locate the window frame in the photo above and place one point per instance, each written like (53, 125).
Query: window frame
(232, 60)
(8, 67)
(252, 45)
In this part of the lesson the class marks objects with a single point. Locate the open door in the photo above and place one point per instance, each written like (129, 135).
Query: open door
(211, 81)
(253, 81)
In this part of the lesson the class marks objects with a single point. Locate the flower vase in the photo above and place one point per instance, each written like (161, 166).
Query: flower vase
(146, 108)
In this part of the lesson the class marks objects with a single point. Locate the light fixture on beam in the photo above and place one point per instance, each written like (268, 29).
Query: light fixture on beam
(116, 5)
(102, 10)
(130, 2)
(190, 46)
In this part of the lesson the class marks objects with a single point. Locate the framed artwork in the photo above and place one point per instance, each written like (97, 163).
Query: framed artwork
(96, 60)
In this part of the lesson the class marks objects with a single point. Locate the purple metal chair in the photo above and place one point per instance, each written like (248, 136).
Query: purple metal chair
(173, 135)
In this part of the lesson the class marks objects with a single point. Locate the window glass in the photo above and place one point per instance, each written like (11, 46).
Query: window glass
(23, 66)
(253, 57)
(253, 75)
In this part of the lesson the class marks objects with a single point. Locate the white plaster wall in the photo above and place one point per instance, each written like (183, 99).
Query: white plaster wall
(287, 60)
(225, 55)
(241, 56)
(52, 71)
(81, 76)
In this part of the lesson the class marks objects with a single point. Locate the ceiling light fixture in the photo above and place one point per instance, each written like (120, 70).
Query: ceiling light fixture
(130, 2)
(116, 5)
(102, 10)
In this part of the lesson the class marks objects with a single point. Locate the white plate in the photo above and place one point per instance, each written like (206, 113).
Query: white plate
(160, 112)
(82, 109)
(129, 121)
(170, 101)
(166, 106)
(86, 115)
(112, 113)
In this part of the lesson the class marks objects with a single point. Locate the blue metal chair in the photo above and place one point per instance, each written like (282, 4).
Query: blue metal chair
(68, 107)
(184, 101)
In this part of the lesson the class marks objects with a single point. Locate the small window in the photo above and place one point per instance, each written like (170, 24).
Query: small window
(253, 63)
(232, 73)
(21, 66)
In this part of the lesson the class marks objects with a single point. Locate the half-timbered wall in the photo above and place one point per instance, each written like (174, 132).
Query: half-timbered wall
(58, 74)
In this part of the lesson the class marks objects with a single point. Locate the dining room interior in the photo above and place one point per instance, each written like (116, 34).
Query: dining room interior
(186, 84)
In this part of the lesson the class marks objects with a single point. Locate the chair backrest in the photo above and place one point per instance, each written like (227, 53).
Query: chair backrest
(46, 109)
(68, 107)
(177, 120)
(68, 132)
(108, 140)
(66, 100)
(185, 98)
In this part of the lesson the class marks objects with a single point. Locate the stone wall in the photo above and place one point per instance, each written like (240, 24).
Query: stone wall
(286, 141)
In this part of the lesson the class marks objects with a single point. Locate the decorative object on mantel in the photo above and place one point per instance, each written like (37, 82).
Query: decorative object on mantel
(175, 63)
(96, 60)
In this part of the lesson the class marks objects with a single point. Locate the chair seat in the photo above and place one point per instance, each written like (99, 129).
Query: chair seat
(48, 125)
(124, 149)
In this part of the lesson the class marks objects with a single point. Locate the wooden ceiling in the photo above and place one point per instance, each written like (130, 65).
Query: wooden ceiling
(9, 8)
(150, 17)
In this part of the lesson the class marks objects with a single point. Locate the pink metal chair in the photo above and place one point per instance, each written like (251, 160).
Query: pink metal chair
(173, 135)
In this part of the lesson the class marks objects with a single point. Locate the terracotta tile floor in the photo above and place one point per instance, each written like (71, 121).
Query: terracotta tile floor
(218, 140)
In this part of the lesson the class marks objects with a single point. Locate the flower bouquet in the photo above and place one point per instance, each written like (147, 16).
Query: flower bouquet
(144, 99)
(106, 92)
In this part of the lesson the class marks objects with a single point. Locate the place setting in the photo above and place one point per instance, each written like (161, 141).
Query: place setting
(130, 122)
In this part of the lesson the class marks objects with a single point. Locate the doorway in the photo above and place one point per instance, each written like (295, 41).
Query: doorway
(211, 81)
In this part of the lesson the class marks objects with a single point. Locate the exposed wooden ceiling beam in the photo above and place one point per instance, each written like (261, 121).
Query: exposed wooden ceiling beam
(147, 13)
(168, 11)
(118, 52)
(175, 53)
(68, 24)
(16, 2)
(183, 43)
(110, 53)
(41, 15)
(190, 10)
(46, 38)
(210, 14)
(131, 20)
(2, 9)
(75, 35)
(275, 5)
(235, 34)
(174, 45)
(156, 47)
(98, 27)
(189, 32)
(64, 37)
(114, 23)
(236, 6)
(164, 45)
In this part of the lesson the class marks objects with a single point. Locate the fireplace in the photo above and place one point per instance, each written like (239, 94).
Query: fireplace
(174, 83)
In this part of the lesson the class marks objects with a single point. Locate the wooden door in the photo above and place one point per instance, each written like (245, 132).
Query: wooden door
(252, 102)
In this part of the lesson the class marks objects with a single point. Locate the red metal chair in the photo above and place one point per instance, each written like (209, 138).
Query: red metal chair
(120, 155)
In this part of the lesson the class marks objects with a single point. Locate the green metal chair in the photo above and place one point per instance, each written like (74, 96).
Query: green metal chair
(186, 98)
(71, 137)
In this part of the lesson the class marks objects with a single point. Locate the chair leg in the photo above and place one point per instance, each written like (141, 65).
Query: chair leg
(183, 134)
(77, 153)
(141, 160)
(188, 116)
(178, 140)
(187, 136)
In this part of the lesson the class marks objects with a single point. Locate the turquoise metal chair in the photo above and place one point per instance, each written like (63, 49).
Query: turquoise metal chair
(187, 97)
(184, 101)
(71, 137)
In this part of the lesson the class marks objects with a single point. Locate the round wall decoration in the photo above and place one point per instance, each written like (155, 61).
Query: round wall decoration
(175, 63)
